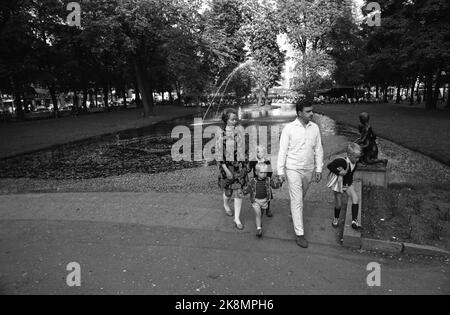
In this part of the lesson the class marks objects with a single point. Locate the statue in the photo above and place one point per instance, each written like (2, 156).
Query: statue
(367, 141)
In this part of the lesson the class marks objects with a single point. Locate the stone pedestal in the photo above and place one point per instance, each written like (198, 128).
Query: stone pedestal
(372, 175)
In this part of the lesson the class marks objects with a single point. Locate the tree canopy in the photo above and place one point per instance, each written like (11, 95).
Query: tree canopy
(193, 46)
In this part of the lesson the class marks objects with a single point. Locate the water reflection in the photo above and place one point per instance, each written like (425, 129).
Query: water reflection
(280, 115)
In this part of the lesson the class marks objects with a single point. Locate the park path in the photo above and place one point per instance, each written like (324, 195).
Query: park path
(165, 243)
(22, 137)
(188, 211)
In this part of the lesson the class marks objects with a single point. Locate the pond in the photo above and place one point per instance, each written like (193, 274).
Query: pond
(143, 150)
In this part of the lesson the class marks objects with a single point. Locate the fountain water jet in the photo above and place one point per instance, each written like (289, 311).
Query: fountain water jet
(225, 83)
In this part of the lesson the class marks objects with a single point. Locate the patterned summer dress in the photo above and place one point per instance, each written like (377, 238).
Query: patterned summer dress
(233, 188)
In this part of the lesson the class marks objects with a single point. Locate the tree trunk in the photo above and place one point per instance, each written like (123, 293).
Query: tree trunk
(75, 100)
(377, 93)
(436, 88)
(96, 98)
(443, 93)
(163, 101)
(124, 98)
(17, 100)
(429, 92)
(266, 96)
(170, 97)
(91, 98)
(385, 94)
(180, 100)
(397, 101)
(178, 90)
(105, 95)
(18, 103)
(85, 98)
(448, 97)
(304, 56)
(52, 91)
(413, 86)
(138, 97)
(147, 99)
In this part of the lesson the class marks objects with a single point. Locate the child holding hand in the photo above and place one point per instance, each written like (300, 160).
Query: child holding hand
(260, 189)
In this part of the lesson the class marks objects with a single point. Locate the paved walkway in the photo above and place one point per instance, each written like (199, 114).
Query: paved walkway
(163, 243)
(189, 211)
(21, 137)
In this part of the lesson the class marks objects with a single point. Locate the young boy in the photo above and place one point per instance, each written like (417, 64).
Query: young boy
(261, 159)
(344, 168)
(260, 189)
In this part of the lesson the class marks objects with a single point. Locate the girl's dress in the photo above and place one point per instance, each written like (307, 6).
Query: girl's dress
(336, 182)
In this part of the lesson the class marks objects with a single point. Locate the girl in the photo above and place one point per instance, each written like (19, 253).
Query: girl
(341, 181)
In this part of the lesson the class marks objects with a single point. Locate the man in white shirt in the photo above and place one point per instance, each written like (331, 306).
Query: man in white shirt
(300, 160)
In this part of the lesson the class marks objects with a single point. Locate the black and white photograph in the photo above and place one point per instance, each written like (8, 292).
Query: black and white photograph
(224, 154)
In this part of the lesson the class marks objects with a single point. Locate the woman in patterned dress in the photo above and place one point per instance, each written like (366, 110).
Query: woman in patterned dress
(233, 177)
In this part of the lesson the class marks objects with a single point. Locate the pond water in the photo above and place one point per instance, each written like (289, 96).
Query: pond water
(143, 150)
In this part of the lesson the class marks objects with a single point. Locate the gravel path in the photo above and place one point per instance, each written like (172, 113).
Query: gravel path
(405, 167)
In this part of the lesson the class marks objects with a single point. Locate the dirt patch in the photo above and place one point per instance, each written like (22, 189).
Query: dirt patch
(406, 213)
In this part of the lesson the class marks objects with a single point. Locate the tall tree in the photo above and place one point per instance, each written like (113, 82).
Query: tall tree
(262, 30)
(308, 24)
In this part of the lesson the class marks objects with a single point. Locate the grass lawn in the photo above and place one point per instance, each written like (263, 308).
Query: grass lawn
(418, 129)
(21, 137)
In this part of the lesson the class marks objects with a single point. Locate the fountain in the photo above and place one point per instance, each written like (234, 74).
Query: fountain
(225, 84)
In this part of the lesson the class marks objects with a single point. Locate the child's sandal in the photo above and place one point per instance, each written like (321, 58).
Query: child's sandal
(259, 233)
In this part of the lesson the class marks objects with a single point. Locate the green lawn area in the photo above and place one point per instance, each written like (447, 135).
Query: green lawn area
(21, 137)
(421, 130)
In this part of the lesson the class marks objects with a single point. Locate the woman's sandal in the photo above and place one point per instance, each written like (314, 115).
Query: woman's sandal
(239, 226)
(230, 214)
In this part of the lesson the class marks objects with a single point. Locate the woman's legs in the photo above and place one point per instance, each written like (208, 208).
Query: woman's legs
(237, 210)
(226, 204)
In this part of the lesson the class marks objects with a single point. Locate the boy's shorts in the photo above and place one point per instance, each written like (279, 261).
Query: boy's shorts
(261, 204)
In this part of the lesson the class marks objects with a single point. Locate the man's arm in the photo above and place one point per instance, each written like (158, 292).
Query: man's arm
(282, 154)
(318, 152)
